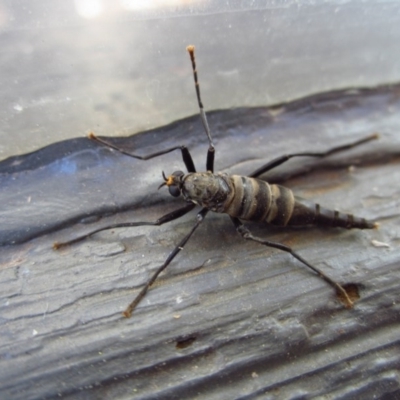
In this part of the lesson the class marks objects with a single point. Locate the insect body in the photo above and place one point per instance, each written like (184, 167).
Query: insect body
(243, 198)
(252, 199)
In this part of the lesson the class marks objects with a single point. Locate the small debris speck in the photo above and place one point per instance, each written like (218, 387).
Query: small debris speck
(377, 243)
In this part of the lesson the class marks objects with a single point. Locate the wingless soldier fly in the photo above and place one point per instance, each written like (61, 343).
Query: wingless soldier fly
(243, 198)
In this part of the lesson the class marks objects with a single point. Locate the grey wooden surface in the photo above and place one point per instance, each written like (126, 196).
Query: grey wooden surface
(228, 319)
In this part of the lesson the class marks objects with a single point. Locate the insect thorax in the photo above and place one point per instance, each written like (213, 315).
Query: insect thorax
(209, 190)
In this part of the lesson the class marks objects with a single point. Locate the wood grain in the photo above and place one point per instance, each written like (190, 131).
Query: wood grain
(227, 319)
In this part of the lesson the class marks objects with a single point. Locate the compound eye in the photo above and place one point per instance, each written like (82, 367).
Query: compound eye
(174, 191)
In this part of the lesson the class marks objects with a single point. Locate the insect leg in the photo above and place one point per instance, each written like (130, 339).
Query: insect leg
(280, 160)
(186, 156)
(200, 217)
(160, 221)
(211, 149)
(246, 234)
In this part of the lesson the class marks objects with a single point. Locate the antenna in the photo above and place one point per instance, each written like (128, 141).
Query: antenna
(211, 149)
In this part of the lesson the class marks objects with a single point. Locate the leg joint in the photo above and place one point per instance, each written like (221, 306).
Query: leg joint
(243, 231)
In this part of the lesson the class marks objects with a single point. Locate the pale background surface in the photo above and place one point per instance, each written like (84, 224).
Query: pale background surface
(65, 70)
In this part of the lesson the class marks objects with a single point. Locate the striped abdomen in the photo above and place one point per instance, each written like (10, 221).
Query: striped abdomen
(256, 200)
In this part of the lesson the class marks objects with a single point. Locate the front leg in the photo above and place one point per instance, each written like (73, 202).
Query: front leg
(186, 156)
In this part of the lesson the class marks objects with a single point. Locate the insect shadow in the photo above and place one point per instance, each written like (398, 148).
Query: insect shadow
(243, 198)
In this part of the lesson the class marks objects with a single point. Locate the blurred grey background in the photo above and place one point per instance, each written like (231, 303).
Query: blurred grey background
(119, 67)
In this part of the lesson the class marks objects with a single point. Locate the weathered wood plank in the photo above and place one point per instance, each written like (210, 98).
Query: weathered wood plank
(228, 319)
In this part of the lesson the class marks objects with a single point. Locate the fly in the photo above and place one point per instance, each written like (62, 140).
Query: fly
(242, 198)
